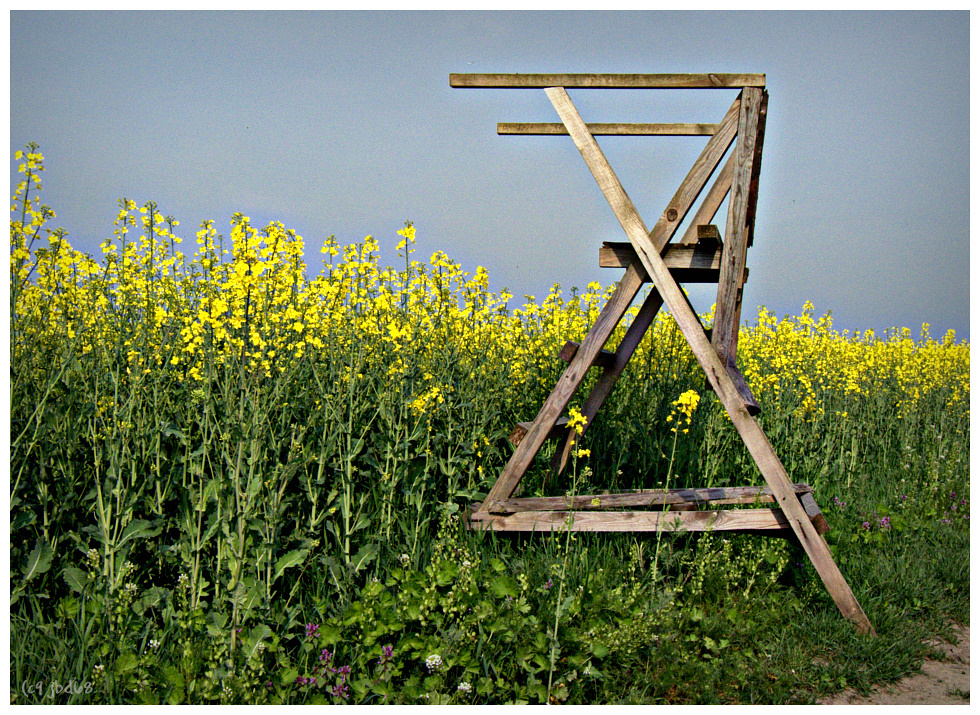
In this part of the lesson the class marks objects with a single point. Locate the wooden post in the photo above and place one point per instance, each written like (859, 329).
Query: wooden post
(753, 436)
(724, 333)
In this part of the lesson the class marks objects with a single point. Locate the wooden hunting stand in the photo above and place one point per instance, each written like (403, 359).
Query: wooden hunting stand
(699, 256)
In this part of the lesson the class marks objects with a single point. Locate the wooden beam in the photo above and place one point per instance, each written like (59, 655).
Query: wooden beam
(646, 498)
(813, 511)
(756, 168)
(604, 359)
(711, 203)
(635, 521)
(724, 332)
(709, 237)
(686, 263)
(609, 129)
(517, 434)
(687, 321)
(619, 254)
(608, 81)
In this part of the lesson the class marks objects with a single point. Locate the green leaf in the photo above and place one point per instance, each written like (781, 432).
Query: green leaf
(505, 586)
(140, 528)
(363, 557)
(75, 578)
(170, 430)
(39, 561)
(288, 560)
(254, 640)
(126, 662)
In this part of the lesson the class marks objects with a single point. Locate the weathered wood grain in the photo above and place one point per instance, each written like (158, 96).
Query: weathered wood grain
(724, 332)
(756, 169)
(636, 521)
(813, 511)
(608, 81)
(609, 129)
(522, 428)
(709, 237)
(619, 254)
(646, 497)
(604, 359)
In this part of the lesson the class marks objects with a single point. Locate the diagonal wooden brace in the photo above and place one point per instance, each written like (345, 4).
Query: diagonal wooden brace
(571, 378)
(715, 370)
(604, 385)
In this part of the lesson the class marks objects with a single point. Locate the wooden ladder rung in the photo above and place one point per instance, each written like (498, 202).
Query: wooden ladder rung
(604, 359)
(557, 431)
(697, 263)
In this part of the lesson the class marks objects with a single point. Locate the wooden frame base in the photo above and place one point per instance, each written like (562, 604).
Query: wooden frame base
(652, 259)
(668, 510)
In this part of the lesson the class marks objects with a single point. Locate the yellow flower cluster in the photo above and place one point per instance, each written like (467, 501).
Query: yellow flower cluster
(809, 359)
(246, 302)
(576, 420)
(683, 411)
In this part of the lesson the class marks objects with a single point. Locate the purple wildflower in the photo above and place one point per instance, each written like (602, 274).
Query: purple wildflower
(313, 631)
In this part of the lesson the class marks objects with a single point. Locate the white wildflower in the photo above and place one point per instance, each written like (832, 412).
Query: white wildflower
(433, 663)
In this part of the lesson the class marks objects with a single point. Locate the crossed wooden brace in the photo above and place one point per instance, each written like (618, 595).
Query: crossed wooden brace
(651, 247)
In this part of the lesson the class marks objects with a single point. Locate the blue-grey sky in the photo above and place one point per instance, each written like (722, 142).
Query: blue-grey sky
(345, 124)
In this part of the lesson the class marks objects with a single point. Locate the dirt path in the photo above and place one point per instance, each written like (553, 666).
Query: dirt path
(944, 682)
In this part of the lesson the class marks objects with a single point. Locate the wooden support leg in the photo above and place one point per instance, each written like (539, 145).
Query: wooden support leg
(750, 431)
(724, 333)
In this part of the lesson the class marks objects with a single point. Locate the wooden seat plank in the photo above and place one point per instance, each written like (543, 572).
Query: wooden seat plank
(607, 81)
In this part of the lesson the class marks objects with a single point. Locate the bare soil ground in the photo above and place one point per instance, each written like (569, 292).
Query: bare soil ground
(941, 682)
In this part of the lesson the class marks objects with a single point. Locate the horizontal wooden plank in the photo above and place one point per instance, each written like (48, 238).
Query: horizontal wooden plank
(608, 81)
(646, 497)
(619, 254)
(619, 129)
(604, 359)
(635, 521)
(558, 430)
(692, 263)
